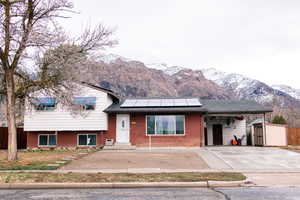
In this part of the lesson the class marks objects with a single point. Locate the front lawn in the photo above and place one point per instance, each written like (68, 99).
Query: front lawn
(36, 160)
(120, 177)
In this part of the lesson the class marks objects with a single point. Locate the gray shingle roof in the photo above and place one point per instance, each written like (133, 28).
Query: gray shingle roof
(234, 106)
(208, 106)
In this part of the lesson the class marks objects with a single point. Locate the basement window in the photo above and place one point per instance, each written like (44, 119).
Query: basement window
(47, 140)
(86, 139)
(165, 125)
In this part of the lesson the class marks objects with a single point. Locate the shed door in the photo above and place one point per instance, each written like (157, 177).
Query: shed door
(217, 134)
(258, 135)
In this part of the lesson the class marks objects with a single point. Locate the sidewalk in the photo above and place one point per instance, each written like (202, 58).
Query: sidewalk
(274, 179)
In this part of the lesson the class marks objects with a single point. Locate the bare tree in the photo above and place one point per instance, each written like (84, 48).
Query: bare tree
(28, 26)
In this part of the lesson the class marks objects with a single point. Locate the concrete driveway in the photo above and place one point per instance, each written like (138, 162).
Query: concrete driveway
(138, 160)
(251, 158)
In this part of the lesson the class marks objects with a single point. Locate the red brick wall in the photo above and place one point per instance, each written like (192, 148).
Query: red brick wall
(194, 132)
(64, 138)
(111, 128)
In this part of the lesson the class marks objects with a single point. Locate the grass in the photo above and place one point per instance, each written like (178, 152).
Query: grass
(292, 148)
(120, 177)
(36, 160)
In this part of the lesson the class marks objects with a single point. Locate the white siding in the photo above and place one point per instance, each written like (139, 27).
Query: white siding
(62, 120)
(237, 128)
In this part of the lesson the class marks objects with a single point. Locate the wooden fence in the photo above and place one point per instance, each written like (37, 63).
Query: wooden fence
(293, 135)
(21, 138)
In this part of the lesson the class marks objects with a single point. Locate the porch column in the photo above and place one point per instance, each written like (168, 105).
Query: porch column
(202, 135)
(264, 130)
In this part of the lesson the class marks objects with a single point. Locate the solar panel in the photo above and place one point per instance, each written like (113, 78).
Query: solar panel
(180, 102)
(167, 102)
(193, 102)
(141, 103)
(129, 103)
(154, 102)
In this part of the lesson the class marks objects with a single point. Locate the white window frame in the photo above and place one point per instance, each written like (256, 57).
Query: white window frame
(47, 140)
(87, 136)
(155, 135)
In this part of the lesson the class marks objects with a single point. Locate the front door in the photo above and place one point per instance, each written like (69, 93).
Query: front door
(217, 134)
(123, 128)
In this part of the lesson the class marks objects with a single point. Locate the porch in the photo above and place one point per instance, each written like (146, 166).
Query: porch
(231, 129)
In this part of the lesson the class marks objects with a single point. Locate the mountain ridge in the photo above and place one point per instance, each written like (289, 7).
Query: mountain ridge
(236, 85)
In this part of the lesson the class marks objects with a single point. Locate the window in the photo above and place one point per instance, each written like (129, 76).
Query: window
(87, 140)
(165, 124)
(87, 103)
(41, 104)
(47, 140)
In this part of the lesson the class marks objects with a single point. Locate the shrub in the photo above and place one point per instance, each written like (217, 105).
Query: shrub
(278, 119)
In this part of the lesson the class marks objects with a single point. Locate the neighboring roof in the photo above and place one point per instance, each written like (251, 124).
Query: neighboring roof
(234, 106)
(108, 91)
(208, 106)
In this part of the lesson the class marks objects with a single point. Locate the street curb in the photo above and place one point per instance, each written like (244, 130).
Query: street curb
(226, 183)
(120, 185)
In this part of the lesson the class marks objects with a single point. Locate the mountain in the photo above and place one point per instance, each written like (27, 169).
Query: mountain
(129, 78)
(247, 88)
(289, 90)
(111, 58)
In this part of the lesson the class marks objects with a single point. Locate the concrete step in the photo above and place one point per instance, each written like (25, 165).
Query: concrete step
(120, 146)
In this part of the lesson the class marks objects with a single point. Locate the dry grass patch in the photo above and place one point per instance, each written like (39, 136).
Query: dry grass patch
(120, 177)
(292, 148)
(36, 160)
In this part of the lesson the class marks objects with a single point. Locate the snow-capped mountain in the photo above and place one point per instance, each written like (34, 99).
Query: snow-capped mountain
(289, 90)
(165, 68)
(158, 66)
(247, 88)
(212, 84)
(173, 70)
(111, 58)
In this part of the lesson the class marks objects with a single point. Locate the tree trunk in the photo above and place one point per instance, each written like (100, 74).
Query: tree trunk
(11, 116)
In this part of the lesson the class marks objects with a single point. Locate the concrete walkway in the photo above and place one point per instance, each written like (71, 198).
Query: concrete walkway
(274, 179)
(251, 158)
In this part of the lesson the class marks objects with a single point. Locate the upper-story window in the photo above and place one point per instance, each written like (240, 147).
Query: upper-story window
(45, 103)
(86, 103)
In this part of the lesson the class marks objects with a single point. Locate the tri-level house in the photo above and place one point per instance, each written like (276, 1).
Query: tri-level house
(138, 122)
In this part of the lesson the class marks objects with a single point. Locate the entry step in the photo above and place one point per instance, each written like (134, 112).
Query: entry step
(120, 146)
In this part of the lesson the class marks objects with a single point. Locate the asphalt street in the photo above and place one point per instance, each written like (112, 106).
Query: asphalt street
(241, 193)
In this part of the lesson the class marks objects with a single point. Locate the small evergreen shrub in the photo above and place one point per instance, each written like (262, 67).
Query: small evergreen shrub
(278, 119)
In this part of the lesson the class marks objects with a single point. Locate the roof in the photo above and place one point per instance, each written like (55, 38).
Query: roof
(207, 106)
(234, 106)
(108, 91)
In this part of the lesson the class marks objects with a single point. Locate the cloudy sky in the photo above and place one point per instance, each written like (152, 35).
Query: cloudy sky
(256, 38)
